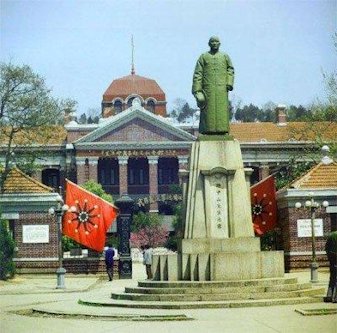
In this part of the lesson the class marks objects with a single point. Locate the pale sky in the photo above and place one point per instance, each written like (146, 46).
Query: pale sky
(279, 48)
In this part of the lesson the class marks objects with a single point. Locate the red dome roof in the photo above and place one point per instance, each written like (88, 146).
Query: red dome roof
(134, 84)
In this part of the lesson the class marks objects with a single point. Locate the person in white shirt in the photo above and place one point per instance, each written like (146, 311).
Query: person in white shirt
(148, 261)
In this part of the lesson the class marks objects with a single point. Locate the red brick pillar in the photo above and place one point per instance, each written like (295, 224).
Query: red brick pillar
(183, 162)
(123, 175)
(81, 168)
(93, 161)
(153, 180)
(263, 171)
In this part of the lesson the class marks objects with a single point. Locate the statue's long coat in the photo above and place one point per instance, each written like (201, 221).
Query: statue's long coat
(213, 73)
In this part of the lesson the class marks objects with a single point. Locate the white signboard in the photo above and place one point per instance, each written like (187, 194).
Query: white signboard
(35, 234)
(304, 227)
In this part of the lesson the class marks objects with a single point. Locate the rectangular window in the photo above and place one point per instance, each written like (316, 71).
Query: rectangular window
(132, 177)
(169, 176)
(112, 177)
(160, 177)
(102, 176)
(141, 176)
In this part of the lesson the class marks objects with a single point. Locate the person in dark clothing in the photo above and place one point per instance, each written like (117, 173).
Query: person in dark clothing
(109, 261)
(331, 251)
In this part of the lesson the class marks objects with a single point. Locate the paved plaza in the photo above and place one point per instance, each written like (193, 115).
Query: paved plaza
(19, 296)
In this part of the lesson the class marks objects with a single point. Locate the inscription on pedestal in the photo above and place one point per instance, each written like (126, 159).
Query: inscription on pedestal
(216, 203)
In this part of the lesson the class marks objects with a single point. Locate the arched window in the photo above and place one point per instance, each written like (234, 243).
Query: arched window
(150, 106)
(118, 107)
(130, 102)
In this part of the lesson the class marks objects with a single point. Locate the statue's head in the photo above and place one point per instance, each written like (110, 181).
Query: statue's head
(214, 43)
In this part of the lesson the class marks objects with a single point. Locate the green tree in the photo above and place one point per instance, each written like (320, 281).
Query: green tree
(182, 110)
(97, 189)
(27, 111)
(268, 112)
(147, 229)
(298, 113)
(248, 113)
(294, 169)
(93, 115)
(142, 220)
(82, 119)
(7, 247)
(321, 122)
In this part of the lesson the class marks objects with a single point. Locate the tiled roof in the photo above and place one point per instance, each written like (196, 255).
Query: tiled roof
(292, 131)
(56, 134)
(244, 132)
(19, 182)
(134, 84)
(319, 177)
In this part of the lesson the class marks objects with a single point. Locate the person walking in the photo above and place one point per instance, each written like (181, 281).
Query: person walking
(109, 261)
(148, 261)
(331, 252)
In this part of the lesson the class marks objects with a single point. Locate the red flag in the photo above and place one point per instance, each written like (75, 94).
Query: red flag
(264, 210)
(88, 218)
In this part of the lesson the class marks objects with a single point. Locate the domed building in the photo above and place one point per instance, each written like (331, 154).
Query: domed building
(121, 92)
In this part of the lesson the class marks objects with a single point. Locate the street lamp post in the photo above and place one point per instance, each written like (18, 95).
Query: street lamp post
(58, 211)
(313, 206)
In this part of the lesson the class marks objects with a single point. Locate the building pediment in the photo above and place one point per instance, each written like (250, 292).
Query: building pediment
(135, 124)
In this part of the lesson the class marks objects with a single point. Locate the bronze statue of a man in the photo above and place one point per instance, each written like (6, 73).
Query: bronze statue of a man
(213, 78)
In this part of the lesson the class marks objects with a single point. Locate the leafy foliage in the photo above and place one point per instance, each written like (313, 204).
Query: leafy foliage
(97, 189)
(113, 241)
(172, 241)
(291, 171)
(182, 110)
(142, 220)
(27, 109)
(153, 236)
(7, 246)
(269, 240)
(68, 244)
(147, 229)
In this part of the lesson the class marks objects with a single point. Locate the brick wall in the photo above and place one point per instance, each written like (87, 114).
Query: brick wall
(72, 265)
(160, 110)
(290, 242)
(92, 171)
(36, 256)
(36, 250)
(87, 265)
(123, 179)
(75, 135)
(82, 174)
(138, 130)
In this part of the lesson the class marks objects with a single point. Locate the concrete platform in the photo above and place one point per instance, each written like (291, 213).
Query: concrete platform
(62, 313)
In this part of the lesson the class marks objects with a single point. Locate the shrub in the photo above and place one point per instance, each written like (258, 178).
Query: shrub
(68, 244)
(7, 247)
(147, 229)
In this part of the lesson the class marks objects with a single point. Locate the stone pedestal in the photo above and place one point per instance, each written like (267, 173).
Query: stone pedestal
(218, 204)
(219, 242)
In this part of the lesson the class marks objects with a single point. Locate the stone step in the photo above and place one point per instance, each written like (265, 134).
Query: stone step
(197, 290)
(216, 284)
(238, 295)
(200, 305)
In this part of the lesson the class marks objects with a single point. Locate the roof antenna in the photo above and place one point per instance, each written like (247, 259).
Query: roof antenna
(132, 56)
